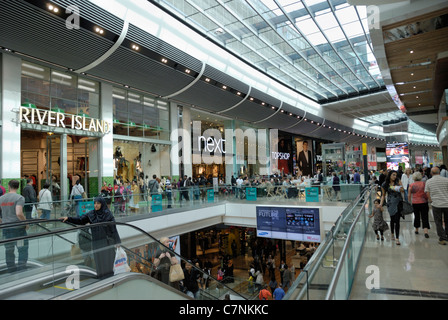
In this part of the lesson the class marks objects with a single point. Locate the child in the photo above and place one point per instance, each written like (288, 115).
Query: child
(378, 222)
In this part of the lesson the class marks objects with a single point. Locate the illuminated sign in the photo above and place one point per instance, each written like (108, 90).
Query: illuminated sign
(61, 120)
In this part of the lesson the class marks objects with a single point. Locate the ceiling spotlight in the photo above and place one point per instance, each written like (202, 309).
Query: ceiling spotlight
(135, 47)
(412, 51)
(224, 87)
(99, 30)
(53, 8)
(164, 60)
(187, 71)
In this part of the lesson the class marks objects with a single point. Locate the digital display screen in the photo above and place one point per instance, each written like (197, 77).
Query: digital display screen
(397, 153)
(289, 223)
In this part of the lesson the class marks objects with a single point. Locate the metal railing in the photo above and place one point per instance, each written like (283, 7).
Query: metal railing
(324, 267)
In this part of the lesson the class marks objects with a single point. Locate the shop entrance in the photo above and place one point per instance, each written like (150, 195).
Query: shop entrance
(41, 161)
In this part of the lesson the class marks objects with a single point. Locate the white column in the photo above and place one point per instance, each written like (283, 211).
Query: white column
(106, 143)
(174, 139)
(63, 167)
(186, 125)
(10, 86)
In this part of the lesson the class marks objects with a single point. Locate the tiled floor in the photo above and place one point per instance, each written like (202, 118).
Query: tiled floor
(416, 269)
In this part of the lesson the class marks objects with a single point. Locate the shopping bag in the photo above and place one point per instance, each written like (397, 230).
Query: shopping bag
(176, 273)
(121, 262)
(34, 213)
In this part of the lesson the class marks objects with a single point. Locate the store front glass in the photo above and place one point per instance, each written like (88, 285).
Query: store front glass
(140, 115)
(55, 104)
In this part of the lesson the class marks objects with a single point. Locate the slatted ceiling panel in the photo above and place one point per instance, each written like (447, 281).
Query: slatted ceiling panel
(35, 32)
(208, 97)
(294, 110)
(146, 74)
(258, 94)
(223, 78)
(95, 14)
(279, 121)
(250, 112)
(164, 49)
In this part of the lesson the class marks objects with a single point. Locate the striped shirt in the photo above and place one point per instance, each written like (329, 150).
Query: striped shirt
(437, 187)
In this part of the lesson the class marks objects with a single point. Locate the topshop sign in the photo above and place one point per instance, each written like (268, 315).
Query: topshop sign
(62, 120)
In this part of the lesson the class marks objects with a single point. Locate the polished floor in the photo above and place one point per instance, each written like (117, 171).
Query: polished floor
(415, 270)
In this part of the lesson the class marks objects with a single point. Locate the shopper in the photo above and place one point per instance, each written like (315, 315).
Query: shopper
(169, 192)
(30, 198)
(407, 179)
(76, 195)
(191, 280)
(264, 293)
(45, 201)
(436, 189)
(336, 186)
(419, 200)
(393, 188)
(11, 210)
(105, 237)
(378, 225)
(278, 293)
(163, 260)
(135, 199)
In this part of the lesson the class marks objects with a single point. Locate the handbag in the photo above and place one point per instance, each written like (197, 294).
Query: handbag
(176, 273)
(406, 208)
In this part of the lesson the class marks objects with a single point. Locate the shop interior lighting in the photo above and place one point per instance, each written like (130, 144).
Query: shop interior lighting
(164, 60)
(135, 47)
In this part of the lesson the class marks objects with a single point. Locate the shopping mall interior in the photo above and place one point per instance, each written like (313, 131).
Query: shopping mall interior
(249, 135)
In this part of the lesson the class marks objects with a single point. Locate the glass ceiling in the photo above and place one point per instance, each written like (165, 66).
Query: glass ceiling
(321, 48)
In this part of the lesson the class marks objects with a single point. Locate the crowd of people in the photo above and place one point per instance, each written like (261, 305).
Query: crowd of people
(425, 189)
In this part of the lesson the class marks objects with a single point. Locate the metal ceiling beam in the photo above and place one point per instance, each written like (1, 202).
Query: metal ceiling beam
(109, 52)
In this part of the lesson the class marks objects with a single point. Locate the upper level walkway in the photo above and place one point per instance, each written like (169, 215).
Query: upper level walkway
(416, 269)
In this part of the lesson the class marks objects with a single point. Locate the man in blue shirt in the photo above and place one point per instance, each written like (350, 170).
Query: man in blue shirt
(279, 293)
(356, 177)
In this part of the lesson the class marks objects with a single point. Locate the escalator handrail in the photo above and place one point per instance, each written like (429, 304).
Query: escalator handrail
(78, 227)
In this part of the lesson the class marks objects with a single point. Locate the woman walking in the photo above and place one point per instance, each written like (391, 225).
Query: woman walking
(392, 191)
(419, 200)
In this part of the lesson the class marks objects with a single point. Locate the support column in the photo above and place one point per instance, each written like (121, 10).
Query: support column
(187, 154)
(106, 143)
(10, 130)
(63, 167)
(174, 124)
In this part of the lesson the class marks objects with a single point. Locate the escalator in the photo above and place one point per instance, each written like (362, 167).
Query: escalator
(61, 265)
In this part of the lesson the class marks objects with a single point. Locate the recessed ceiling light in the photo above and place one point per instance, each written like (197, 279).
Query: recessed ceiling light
(164, 60)
(224, 87)
(207, 79)
(135, 47)
(53, 8)
(412, 51)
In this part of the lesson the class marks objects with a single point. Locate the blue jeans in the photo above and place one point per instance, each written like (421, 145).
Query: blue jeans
(22, 248)
(45, 214)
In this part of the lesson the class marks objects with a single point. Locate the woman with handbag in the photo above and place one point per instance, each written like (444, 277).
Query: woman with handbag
(164, 259)
(419, 203)
(392, 191)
